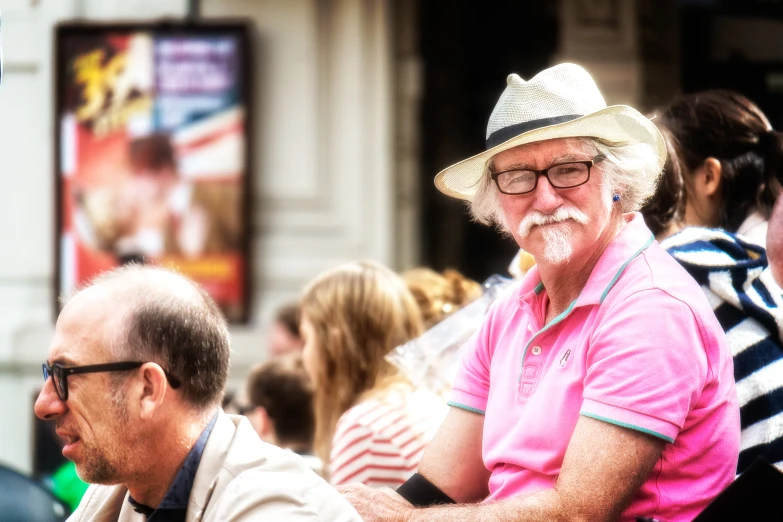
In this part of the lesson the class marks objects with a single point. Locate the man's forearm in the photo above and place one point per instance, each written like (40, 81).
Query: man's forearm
(541, 506)
(476, 512)
(381, 505)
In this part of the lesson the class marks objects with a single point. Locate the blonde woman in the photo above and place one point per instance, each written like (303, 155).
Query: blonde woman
(371, 424)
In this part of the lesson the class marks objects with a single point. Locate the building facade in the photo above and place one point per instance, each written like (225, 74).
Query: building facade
(358, 103)
(323, 182)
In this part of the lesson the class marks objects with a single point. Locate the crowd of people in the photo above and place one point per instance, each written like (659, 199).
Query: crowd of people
(633, 371)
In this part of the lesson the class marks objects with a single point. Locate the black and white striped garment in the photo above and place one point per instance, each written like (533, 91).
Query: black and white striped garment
(749, 305)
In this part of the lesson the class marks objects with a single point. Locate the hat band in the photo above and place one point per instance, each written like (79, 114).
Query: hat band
(512, 131)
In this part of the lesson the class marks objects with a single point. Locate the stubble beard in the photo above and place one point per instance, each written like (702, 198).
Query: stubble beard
(97, 469)
(102, 459)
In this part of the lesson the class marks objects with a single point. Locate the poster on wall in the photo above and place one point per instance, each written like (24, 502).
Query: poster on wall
(153, 153)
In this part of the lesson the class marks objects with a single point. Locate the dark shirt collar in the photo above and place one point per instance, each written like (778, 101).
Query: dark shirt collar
(174, 505)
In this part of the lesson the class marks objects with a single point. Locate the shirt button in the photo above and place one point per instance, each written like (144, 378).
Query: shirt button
(536, 350)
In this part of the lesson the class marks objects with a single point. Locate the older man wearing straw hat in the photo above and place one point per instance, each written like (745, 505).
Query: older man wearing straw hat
(600, 387)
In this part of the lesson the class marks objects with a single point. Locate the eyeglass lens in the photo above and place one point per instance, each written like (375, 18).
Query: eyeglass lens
(57, 379)
(560, 176)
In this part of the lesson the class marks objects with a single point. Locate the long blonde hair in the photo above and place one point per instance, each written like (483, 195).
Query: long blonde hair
(359, 312)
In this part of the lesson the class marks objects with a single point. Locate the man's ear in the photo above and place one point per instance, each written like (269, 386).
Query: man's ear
(151, 390)
(711, 177)
(264, 423)
(703, 202)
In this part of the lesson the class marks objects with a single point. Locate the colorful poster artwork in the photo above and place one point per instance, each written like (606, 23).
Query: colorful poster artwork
(153, 165)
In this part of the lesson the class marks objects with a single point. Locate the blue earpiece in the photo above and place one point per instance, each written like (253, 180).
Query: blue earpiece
(616, 198)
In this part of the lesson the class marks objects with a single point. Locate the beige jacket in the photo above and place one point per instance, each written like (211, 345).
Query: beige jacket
(239, 478)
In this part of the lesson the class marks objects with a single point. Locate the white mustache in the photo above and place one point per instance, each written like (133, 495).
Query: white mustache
(560, 214)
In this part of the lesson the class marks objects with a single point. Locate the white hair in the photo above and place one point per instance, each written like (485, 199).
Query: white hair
(631, 171)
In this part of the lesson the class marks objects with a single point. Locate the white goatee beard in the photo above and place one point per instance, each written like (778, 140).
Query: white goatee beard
(557, 232)
(558, 247)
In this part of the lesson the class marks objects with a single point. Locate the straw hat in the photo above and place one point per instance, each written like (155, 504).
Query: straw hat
(560, 102)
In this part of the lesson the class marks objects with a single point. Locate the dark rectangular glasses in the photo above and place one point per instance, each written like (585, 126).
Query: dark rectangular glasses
(561, 176)
(60, 373)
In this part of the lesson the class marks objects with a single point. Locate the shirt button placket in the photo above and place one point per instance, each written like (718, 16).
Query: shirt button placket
(530, 373)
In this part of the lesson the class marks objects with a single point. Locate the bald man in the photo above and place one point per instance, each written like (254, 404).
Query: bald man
(133, 382)
(775, 242)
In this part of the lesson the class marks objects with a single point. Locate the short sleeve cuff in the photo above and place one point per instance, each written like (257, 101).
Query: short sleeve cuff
(630, 419)
(468, 401)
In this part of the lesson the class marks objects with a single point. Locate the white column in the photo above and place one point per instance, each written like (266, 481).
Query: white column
(408, 83)
(324, 130)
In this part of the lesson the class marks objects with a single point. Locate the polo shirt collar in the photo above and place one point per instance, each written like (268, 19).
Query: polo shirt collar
(632, 240)
(175, 502)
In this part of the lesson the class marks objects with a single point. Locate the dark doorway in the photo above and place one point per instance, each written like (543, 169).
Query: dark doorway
(735, 45)
(468, 49)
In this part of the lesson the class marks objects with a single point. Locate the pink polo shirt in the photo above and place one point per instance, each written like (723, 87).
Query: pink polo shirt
(640, 348)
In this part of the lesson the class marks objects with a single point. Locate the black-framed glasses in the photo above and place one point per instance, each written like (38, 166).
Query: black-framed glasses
(561, 176)
(60, 373)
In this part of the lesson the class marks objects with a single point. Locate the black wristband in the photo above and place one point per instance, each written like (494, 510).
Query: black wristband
(420, 492)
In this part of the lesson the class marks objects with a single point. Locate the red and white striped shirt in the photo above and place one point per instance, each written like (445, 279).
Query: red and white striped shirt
(380, 441)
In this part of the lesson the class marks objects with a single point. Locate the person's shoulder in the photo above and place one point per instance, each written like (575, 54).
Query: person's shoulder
(658, 273)
(388, 411)
(714, 248)
(282, 493)
(100, 503)
(258, 479)
(238, 450)
(357, 421)
(248, 452)
(656, 281)
(364, 411)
